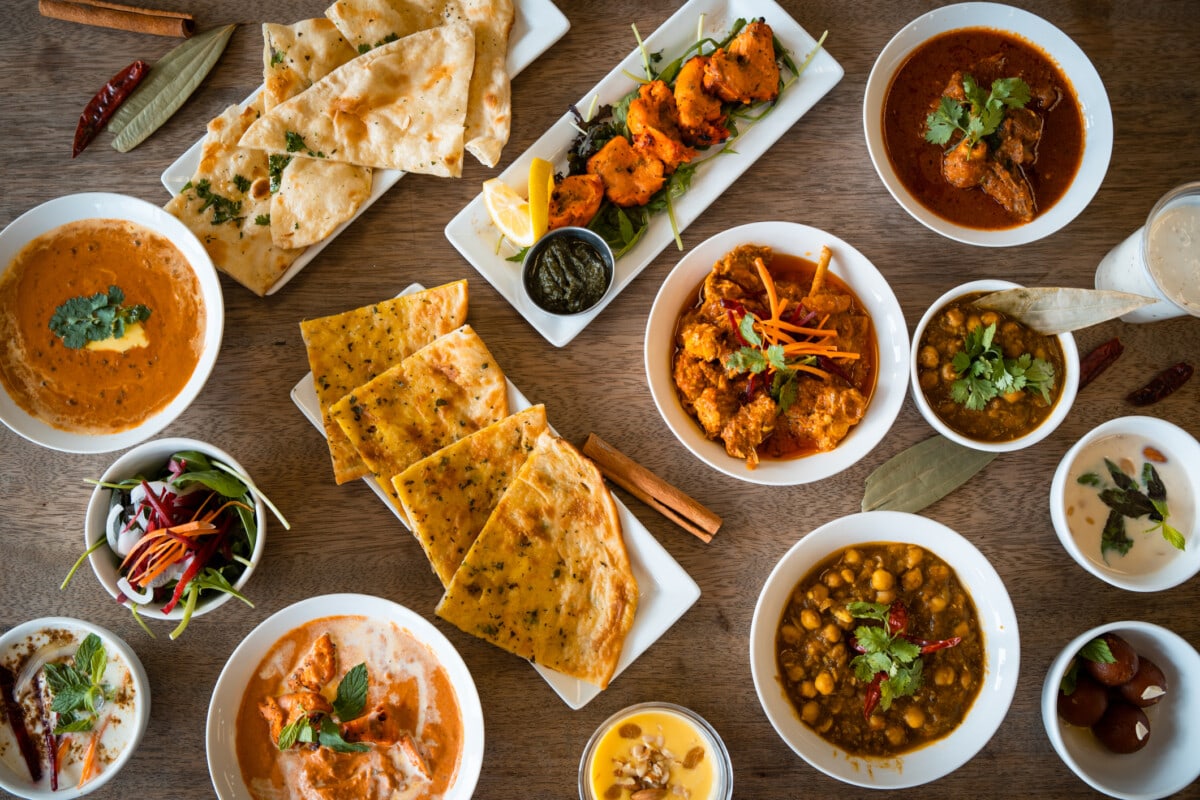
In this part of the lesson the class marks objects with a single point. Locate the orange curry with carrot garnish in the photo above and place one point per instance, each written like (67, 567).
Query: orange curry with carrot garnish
(778, 358)
(349, 707)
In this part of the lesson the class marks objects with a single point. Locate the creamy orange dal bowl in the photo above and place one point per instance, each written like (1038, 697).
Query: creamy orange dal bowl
(111, 317)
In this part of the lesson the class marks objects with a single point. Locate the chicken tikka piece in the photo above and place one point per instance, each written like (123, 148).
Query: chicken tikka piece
(653, 121)
(701, 116)
(631, 177)
(318, 667)
(575, 200)
(746, 71)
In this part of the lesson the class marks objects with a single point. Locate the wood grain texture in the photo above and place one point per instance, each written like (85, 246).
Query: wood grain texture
(343, 539)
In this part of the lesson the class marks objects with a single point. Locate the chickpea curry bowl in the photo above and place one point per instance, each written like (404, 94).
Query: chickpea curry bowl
(884, 649)
(985, 379)
(773, 356)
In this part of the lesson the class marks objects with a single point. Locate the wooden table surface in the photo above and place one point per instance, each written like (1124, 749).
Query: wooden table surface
(344, 540)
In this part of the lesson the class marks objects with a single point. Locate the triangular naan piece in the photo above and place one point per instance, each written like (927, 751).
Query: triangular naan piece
(227, 204)
(400, 106)
(346, 350)
(549, 578)
(445, 391)
(298, 55)
(449, 495)
(489, 106)
(368, 24)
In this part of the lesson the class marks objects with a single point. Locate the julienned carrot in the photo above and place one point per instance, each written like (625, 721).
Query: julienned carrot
(769, 283)
(200, 561)
(89, 758)
(822, 266)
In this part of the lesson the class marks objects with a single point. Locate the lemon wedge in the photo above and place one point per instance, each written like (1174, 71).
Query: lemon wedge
(541, 184)
(509, 212)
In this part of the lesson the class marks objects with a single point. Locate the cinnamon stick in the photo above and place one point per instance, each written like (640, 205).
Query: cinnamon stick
(121, 17)
(651, 489)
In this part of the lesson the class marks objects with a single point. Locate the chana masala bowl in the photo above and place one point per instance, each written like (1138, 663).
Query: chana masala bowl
(884, 649)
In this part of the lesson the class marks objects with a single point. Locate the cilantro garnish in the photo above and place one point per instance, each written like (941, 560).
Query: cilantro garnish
(323, 730)
(295, 144)
(242, 183)
(95, 318)
(982, 115)
(755, 359)
(76, 687)
(262, 219)
(275, 164)
(277, 57)
(224, 209)
(886, 655)
(984, 372)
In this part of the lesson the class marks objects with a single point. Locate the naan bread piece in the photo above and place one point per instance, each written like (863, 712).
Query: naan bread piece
(445, 391)
(549, 578)
(489, 105)
(234, 227)
(298, 55)
(400, 106)
(368, 24)
(449, 495)
(349, 349)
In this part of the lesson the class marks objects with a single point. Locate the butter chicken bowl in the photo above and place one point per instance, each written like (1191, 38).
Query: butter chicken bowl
(984, 379)
(100, 689)
(1006, 176)
(111, 317)
(773, 364)
(884, 649)
(349, 692)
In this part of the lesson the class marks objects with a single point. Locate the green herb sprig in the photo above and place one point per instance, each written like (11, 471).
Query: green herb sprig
(985, 373)
(95, 318)
(76, 687)
(1127, 500)
(755, 359)
(980, 117)
(322, 729)
(885, 652)
(1096, 650)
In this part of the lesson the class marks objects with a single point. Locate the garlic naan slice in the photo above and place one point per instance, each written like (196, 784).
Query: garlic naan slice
(298, 55)
(368, 24)
(445, 391)
(449, 495)
(235, 229)
(347, 350)
(401, 106)
(548, 577)
(489, 106)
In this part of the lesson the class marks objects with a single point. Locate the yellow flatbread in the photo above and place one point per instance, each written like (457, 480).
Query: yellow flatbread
(401, 106)
(449, 495)
(548, 577)
(349, 349)
(227, 204)
(445, 391)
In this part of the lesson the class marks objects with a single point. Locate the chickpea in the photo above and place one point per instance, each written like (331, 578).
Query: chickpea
(824, 683)
(832, 579)
(885, 598)
(1013, 397)
(808, 689)
(825, 725)
(928, 379)
(912, 579)
(913, 555)
(944, 676)
(962, 629)
(939, 573)
(989, 318)
(914, 717)
(882, 580)
(852, 556)
(973, 322)
(848, 575)
(954, 317)
(843, 616)
(818, 593)
(966, 680)
(895, 735)
(948, 372)
(937, 604)
(927, 357)
(838, 653)
(810, 619)
(790, 633)
(810, 713)
(1010, 330)
(876, 722)
(831, 633)
(795, 673)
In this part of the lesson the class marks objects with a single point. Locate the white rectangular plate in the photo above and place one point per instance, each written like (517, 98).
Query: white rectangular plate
(537, 26)
(665, 590)
(473, 234)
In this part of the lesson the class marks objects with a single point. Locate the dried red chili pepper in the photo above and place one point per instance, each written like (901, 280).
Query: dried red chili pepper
(1100, 359)
(105, 102)
(1163, 384)
(897, 618)
(874, 692)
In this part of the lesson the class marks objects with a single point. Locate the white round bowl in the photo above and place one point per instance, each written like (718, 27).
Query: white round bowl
(680, 289)
(1089, 90)
(19, 784)
(998, 623)
(1066, 398)
(221, 730)
(103, 205)
(148, 458)
(1179, 447)
(1168, 763)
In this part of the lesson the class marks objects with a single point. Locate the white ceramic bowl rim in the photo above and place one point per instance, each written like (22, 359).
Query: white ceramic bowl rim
(848, 264)
(1168, 764)
(1001, 642)
(150, 457)
(1074, 63)
(104, 205)
(1065, 399)
(221, 728)
(1177, 445)
(141, 687)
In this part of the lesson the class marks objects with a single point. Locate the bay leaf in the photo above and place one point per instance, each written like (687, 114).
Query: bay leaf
(171, 82)
(921, 475)
(1051, 311)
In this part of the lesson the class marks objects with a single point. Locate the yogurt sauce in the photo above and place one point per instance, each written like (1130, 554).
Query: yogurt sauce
(1086, 512)
(1173, 253)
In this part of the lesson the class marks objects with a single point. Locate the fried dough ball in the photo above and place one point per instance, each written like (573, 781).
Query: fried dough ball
(631, 177)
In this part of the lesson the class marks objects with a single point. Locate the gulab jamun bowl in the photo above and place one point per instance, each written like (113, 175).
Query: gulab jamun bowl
(1119, 705)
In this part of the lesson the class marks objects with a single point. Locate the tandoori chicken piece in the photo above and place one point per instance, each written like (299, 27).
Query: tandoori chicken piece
(631, 177)
(318, 667)
(701, 118)
(653, 122)
(575, 200)
(745, 71)
(377, 726)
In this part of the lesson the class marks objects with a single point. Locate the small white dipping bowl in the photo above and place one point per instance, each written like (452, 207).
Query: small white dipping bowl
(1074, 64)
(103, 205)
(149, 458)
(221, 731)
(1172, 569)
(679, 291)
(998, 623)
(1170, 761)
(1070, 383)
(18, 782)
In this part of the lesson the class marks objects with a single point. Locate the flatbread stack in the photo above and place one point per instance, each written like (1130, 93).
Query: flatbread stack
(407, 85)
